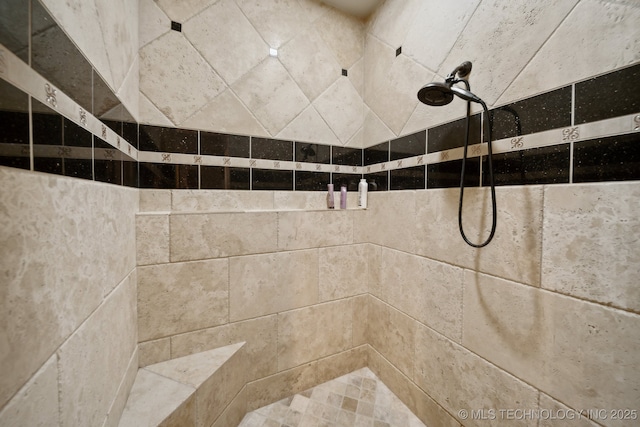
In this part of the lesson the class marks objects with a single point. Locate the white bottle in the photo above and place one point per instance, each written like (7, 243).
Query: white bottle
(363, 189)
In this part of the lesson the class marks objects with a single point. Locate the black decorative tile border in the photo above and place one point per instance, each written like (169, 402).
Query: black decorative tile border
(585, 132)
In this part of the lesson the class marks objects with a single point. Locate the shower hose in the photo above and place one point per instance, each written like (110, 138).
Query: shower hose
(462, 173)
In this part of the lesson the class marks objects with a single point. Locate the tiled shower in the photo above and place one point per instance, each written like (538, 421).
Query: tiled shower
(163, 194)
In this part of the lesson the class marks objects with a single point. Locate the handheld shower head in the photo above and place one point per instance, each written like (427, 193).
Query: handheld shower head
(437, 94)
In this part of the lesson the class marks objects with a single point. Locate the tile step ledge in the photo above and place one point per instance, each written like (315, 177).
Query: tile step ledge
(188, 391)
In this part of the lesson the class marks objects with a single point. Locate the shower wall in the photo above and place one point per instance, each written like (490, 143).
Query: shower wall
(273, 269)
(106, 32)
(544, 318)
(518, 49)
(69, 336)
(68, 295)
(207, 66)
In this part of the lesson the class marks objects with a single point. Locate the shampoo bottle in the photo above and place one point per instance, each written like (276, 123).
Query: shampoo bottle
(330, 203)
(363, 188)
(343, 197)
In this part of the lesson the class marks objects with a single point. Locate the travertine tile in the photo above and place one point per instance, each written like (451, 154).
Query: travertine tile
(234, 413)
(181, 297)
(299, 200)
(271, 95)
(411, 395)
(571, 54)
(561, 345)
(341, 106)
(277, 22)
(171, 67)
(441, 33)
(217, 235)
(390, 220)
(195, 369)
(100, 353)
(360, 320)
(226, 114)
(515, 251)
(153, 398)
(185, 10)
(260, 336)
(427, 290)
(344, 34)
(312, 332)
(67, 244)
(226, 39)
(497, 25)
(592, 360)
(152, 238)
(374, 281)
(300, 230)
(219, 390)
(149, 114)
(590, 246)
(356, 398)
(122, 395)
(400, 81)
(343, 271)
(155, 200)
(119, 28)
(36, 404)
(342, 363)
(392, 334)
(392, 20)
(462, 380)
(271, 283)
(275, 387)
(313, 73)
(221, 200)
(504, 322)
(567, 416)
(151, 352)
(153, 22)
(309, 126)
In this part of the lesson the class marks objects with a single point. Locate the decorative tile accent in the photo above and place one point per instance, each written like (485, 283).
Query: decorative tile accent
(3, 63)
(176, 26)
(517, 143)
(51, 94)
(570, 134)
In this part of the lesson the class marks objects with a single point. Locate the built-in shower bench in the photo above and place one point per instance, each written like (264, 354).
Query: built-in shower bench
(188, 391)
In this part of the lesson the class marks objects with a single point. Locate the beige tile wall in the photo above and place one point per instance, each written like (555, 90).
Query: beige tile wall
(68, 299)
(511, 326)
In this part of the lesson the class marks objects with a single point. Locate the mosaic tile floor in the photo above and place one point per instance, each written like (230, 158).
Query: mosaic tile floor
(358, 399)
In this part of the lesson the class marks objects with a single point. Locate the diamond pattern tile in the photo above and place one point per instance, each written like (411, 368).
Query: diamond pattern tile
(358, 399)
